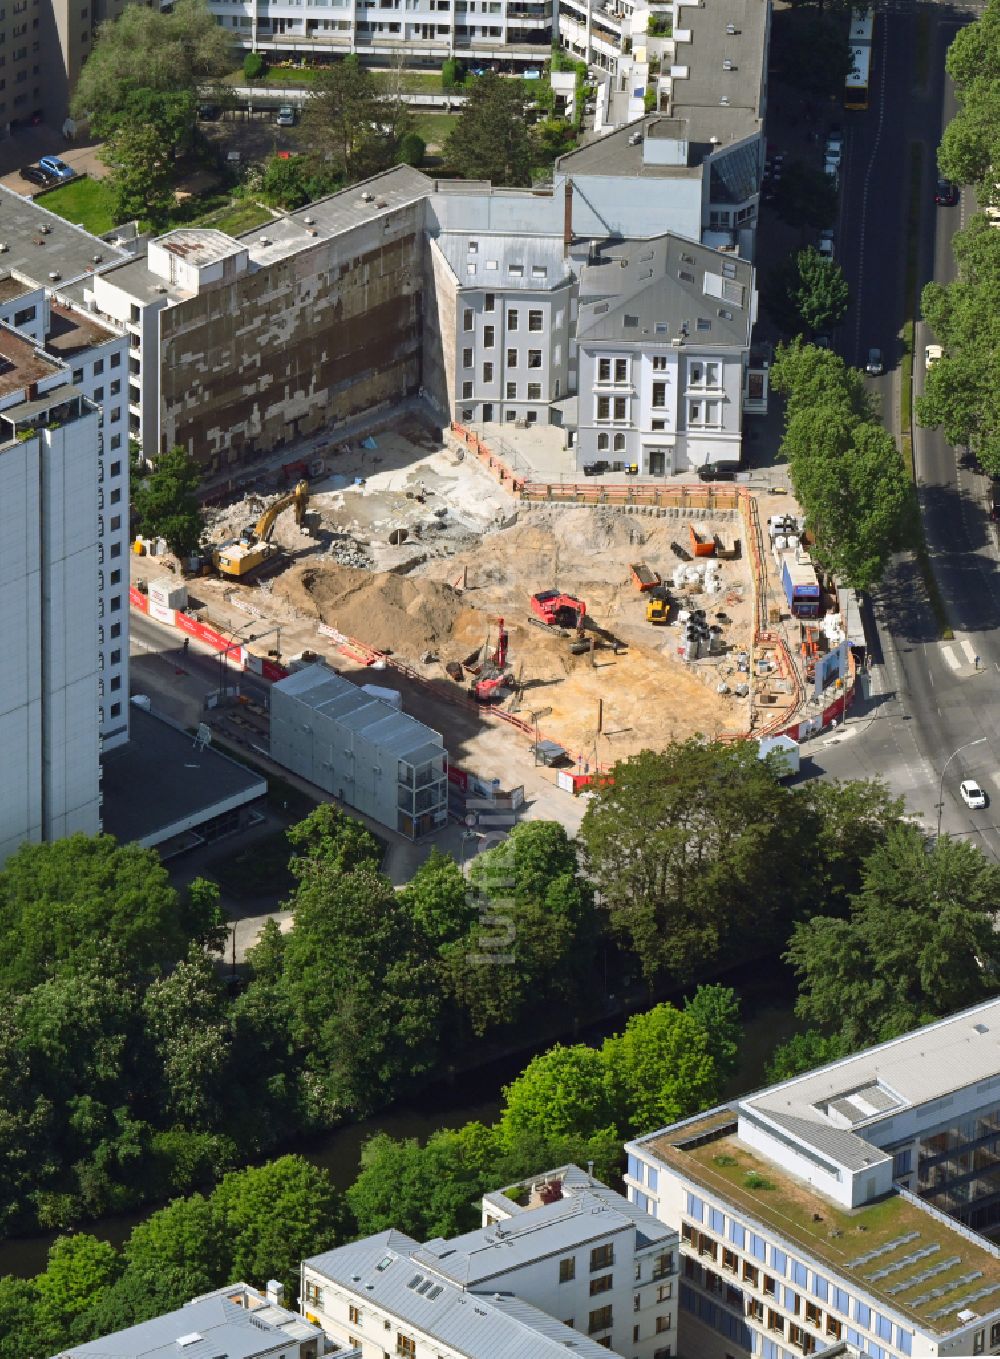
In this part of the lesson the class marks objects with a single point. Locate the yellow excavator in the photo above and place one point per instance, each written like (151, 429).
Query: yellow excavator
(254, 547)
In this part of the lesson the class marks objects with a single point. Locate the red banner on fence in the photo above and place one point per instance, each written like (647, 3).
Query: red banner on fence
(138, 600)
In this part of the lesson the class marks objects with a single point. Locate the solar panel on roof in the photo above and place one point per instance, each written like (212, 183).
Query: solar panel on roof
(885, 1249)
(435, 1292)
(905, 1262)
(414, 1281)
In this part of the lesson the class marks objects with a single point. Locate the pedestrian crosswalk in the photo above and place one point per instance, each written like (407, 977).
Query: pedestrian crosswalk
(959, 654)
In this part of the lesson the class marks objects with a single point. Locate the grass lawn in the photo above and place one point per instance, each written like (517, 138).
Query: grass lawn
(434, 127)
(233, 218)
(85, 202)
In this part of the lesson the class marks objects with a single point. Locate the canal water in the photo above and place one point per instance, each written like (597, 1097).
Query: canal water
(767, 993)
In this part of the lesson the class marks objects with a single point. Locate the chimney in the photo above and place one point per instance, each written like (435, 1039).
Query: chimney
(275, 1293)
(568, 214)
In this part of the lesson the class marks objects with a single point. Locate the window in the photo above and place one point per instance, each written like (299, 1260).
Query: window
(535, 321)
(567, 1269)
(663, 1323)
(489, 302)
(862, 1314)
(511, 318)
(619, 408)
(511, 358)
(603, 370)
(694, 413)
(487, 372)
(116, 442)
(600, 1320)
(116, 629)
(116, 683)
(116, 577)
(406, 1346)
(313, 1292)
(833, 1327)
(489, 336)
(534, 391)
(466, 358)
(770, 1287)
(511, 391)
(664, 1292)
(77, 376)
(602, 1257)
(730, 1260)
(604, 408)
(466, 391)
(712, 371)
(602, 1284)
(116, 416)
(751, 1274)
(98, 367)
(659, 395)
(813, 1315)
(659, 363)
(116, 387)
(775, 1322)
(620, 448)
(695, 373)
(467, 319)
(534, 358)
(116, 710)
(116, 523)
(603, 443)
(635, 1332)
(515, 270)
(116, 360)
(98, 393)
(621, 370)
(22, 317)
(657, 426)
(995, 1334)
(116, 469)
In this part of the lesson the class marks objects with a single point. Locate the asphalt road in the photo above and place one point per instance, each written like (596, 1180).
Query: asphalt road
(925, 698)
(178, 681)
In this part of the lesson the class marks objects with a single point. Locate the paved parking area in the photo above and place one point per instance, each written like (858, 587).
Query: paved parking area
(25, 146)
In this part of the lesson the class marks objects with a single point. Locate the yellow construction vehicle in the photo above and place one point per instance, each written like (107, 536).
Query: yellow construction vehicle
(657, 609)
(253, 547)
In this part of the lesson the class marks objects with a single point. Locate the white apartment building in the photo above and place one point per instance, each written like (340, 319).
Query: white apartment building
(663, 353)
(238, 1322)
(842, 1205)
(79, 637)
(509, 303)
(563, 1263)
(516, 33)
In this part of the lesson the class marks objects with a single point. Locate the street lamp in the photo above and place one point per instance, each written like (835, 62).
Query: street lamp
(968, 746)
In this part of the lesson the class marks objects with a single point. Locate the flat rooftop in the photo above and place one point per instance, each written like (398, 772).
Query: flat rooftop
(917, 1265)
(71, 330)
(198, 245)
(698, 96)
(11, 287)
(21, 363)
(159, 785)
(38, 243)
(617, 154)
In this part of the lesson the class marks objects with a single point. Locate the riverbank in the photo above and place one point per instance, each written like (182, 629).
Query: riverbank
(767, 993)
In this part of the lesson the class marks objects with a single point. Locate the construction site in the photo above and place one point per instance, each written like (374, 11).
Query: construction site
(609, 628)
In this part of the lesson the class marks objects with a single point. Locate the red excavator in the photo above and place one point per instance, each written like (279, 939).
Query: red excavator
(492, 678)
(558, 610)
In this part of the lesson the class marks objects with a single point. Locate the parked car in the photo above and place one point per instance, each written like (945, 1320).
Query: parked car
(286, 116)
(833, 152)
(946, 193)
(831, 168)
(56, 167)
(711, 471)
(825, 246)
(932, 353)
(34, 174)
(972, 795)
(208, 113)
(835, 137)
(874, 367)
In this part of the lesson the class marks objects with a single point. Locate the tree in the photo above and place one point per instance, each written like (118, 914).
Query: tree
(79, 1269)
(970, 147)
(961, 389)
(178, 1252)
(148, 50)
(412, 149)
(685, 846)
(845, 469)
(275, 1216)
(166, 502)
(819, 292)
(350, 125)
(561, 1092)
(850, 819)
(717, 1010)
(660, 1069)
(67, 903)
(919, 943)
(18, 1319)
(439, 901)
(253, 66)
(803, 1052)
(330, 840)
(491, 139)
(187, 1017)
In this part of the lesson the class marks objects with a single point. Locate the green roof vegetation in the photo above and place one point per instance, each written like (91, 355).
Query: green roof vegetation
(85, 202)
(722, 1164)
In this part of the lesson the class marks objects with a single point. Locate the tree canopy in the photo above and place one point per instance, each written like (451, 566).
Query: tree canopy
(970, 147)
(166, 502)
(492, 139)
(845, 468)
(351, 126)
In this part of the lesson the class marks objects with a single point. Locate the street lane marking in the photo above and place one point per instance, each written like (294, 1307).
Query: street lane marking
(969, 650)
(950, 658)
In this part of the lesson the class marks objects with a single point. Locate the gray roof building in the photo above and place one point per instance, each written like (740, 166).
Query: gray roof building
(47, 249)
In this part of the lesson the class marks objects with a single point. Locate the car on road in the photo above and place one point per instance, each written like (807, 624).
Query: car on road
(833, 152)
(946, 193)
(972, 795)
(874, 367)
(831, 168)
(825, 246)
(932, 354)
(286, 116)
(56, 167)
(835, 137)
(34, 174)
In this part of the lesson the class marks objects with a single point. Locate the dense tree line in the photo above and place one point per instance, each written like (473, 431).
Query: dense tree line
(846, 471)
